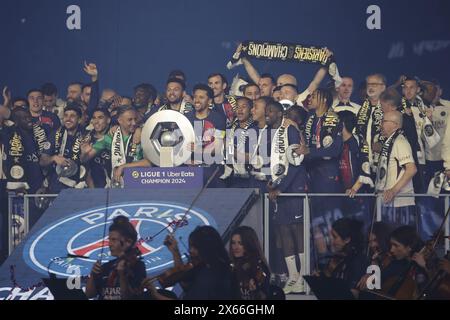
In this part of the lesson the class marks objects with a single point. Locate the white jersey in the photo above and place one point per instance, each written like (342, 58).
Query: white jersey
(439, 121)
(445, 147)
(349, 106)
(401, 155)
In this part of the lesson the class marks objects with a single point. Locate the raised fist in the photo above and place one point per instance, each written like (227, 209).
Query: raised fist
(91, 69)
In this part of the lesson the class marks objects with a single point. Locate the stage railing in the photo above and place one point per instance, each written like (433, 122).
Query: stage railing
(19, 217)
(307, 219)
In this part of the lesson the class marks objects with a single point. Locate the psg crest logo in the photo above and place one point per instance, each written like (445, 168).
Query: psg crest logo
(82, 234)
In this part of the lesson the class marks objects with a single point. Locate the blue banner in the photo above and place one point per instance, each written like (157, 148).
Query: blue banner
(163, 178)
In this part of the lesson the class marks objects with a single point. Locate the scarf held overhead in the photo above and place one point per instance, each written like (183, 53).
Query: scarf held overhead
(282, 52)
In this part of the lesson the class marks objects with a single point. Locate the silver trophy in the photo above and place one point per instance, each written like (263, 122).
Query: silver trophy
(67, 170)
(117, 184)
(166, 137)
(42, 202)
(446, 184)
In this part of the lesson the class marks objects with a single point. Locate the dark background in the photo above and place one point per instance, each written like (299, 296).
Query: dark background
(143, 40)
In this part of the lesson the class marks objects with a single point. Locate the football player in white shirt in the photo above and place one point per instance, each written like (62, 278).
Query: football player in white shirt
(400, 171)
(439, 117)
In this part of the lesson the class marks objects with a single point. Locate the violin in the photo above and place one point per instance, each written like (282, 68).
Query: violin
(336, 262)
(181, 273)
(401, 287)
(131, 256)
(247, 271)
(385, 259)
(260, 275)
(251, 278)
(438, 286)
(178, 274)
(404, 286)
(397, 287)
(381, 258)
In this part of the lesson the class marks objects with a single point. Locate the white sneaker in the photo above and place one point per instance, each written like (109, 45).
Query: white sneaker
(289, 287)
(299, 286)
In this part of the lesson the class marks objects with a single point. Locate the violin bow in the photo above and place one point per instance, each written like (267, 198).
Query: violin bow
(438, 236)
(197, 197)
(374, 211)
(311, 235)
(176, 225)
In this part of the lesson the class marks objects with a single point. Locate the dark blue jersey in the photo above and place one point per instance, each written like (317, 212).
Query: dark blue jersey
(28, 161)
(226, 110)
(290, 209)
(324, 141)
(107, 283)
(70, 152)
(212, 127)
(47, 120)
(295, 181)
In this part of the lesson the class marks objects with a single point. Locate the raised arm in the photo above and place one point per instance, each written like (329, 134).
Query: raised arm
(238, 60)
(315, 83)
(398, 83)
(91, 70)
(320, 74)
(5, 109)
(251, 71)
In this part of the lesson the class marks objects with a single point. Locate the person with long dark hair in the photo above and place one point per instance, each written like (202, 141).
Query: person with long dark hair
(379, 243)
(378, 237)
(406, 274)
(121, 278)
(249, 264)
(210, 277)
(347, 262)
